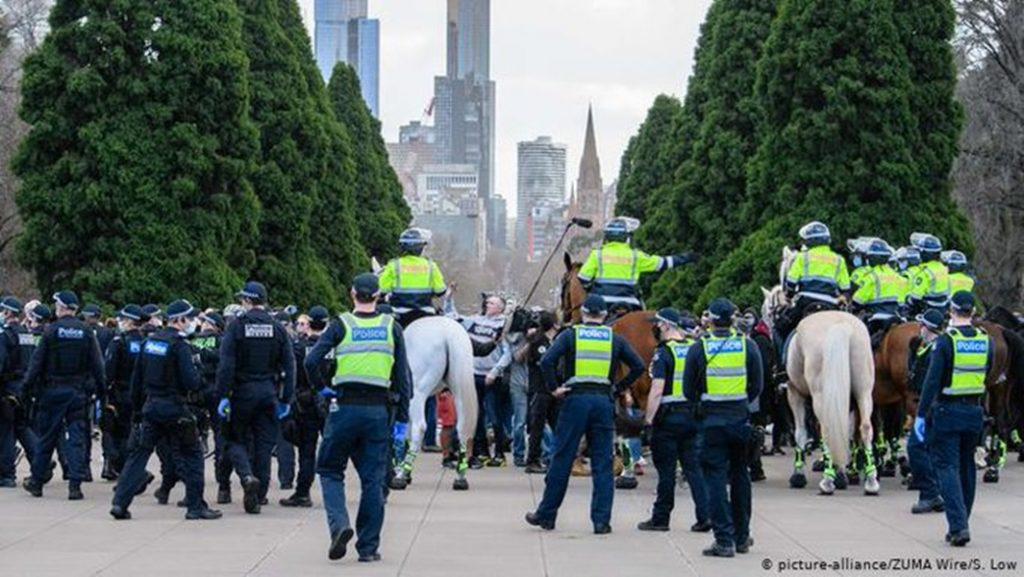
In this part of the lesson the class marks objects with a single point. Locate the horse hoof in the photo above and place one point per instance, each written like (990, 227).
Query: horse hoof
(460, 485)
(398, 484)
(797, 481)
(887, 470)
(871, 486)
(818, 466)
(853, 479)
(827, 486)
(841, 482)
(626, 483)
(991, 476)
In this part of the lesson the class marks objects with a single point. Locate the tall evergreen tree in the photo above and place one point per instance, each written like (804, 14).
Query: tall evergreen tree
(837, 141)
(647, 164)
(378, 193)
(308, 246)
(135, 175)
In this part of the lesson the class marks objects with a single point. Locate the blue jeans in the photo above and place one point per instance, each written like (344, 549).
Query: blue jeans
(955, 432)
(285, 460)
(430, 436)
(593, 416)
(359, 433)
(59, 409)
(676, 439)
(724, 460)
(520, 408)
(921, 467)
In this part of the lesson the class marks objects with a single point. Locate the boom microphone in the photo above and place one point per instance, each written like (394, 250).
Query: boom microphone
(583, 222)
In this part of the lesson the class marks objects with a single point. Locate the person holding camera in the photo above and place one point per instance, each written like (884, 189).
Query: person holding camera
(543, 406)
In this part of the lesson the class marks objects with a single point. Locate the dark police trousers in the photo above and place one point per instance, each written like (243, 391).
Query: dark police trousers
(15, 430)
(160, 427)
(60, 408)
(921, 468)
(593, 415)
(724, 460)
(543, 411)
(308, 425)
(252, 423)
(359, 433)
(954, 433)
(676, 439)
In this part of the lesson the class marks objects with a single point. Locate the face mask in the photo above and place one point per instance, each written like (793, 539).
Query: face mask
(190, 328)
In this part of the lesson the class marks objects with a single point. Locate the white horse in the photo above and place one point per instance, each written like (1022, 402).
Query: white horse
(828, 357)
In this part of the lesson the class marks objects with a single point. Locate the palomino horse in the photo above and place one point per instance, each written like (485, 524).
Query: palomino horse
(1004, 386)
(828, 359)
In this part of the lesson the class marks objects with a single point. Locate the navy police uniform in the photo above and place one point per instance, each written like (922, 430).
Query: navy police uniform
(16, 347)
(116, 421)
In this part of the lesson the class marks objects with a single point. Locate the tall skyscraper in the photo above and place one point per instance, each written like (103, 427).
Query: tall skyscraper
(589, 200)
(344, 33)
(541, 194)
(464, 100)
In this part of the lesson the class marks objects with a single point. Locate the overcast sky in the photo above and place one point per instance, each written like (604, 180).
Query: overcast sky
(549, 58)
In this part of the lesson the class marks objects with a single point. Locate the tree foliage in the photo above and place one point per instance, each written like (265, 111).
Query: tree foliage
(378, 194)
(135, 174)
(647, 165)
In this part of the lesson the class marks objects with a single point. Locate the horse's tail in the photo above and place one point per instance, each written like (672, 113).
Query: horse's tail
(459, 376)
(835, 384)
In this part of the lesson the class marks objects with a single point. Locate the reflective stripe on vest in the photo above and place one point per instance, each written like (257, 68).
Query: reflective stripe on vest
(674, 388)
(367, 352)
(726, 367)
(617, 264)
(593, 363)
(970, 363)
(938, 285)
(822, 266)
(959, 281)
(413, 276)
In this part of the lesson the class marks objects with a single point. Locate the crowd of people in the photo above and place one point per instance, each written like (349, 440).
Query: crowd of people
(327, 388)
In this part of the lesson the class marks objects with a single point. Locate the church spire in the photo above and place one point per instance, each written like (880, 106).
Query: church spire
(589, 188)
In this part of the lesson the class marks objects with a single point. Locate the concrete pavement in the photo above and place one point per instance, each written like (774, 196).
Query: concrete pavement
(432, 531)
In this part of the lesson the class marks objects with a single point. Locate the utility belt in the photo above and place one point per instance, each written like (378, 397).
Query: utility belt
(69, 381)
(679, 407)
(970, 400)
(362, 394)
(590, 389)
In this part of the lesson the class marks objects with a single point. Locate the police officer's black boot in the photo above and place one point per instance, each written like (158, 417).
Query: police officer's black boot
(339, 544)
(150, 477)
(34, 489)
(162, 495)
(251, 497)
(75, 491)
(120, 513)
(296, 500)
(650, 525)
(224, 494)
(108, 473)
(701, 527)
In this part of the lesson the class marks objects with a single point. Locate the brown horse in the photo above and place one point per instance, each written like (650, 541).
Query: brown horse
(1003, 387)
(635, 327)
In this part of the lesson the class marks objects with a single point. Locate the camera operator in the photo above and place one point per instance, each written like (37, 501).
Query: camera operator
(541, 330)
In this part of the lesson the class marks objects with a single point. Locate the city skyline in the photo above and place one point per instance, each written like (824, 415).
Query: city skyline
(345, 33)
(549, 59)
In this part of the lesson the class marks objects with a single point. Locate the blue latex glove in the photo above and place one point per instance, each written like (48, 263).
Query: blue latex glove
(283, 410)
(919, 428)
(224, 408)
(328, 393)
(400, 432)
(97, 410)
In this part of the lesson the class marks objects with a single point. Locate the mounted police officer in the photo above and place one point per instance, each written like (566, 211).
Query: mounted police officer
(372, 372)
(116, 416)
(858, 259)
(303, 428)
(412, 281)
(724, 372)
(959, 280)
(65, 371)
(815, 280)
(918, 455)
(929, 287)
(613, 271)
(907, 259)
(592, 354)
(951, 412)
(16, 347)
(255, 354)
(881, 292)
(164, 377)
(675, 437)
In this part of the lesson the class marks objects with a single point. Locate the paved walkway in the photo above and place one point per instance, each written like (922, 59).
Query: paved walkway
(432, 531)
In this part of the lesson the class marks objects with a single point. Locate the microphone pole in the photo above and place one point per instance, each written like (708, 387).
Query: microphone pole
(582, 223)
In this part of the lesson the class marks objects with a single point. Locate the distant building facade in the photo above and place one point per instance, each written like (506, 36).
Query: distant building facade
(345, 33)
(541, 183)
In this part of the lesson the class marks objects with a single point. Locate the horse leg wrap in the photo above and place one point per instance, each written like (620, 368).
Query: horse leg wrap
(830, 468)
(1001, 451)
(798, 459)
(463, 464)
(1015, 438)
(408, 462)
(627, 459)
(869, 462)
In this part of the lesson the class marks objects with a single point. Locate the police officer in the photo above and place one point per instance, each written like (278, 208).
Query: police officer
(724, 371)
(411, 281)
(592, 354)
(164, 377)
(613, 271)
(154, 318)
(920, 460)
(881, 292)
(951, 406)
(675, 437)
(64, 368)
(116, 418)
(254, 352)
(929, 287)
(858, 259)
(207, 344)
(16, 347)
(543, 411)
(372, 372)
(307, 420)
(817, 277)
(92, 314)
(907, 259)
(959, 280)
